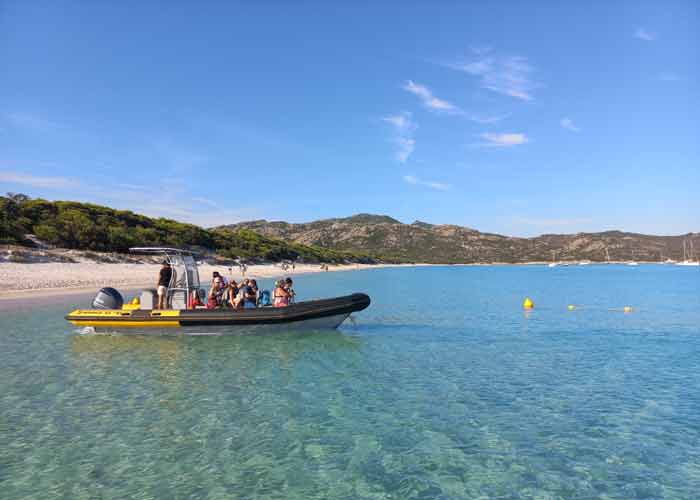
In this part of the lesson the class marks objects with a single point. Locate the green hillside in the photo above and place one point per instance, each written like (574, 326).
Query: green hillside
(84, 226)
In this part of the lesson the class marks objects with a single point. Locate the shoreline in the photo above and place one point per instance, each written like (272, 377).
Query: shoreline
(44, 280)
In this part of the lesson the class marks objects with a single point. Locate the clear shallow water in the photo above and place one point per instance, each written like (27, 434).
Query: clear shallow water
(444, 388)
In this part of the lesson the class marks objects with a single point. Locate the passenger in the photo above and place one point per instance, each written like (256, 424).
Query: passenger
(288, 286)
(243, 297)
(215, 275)
(164, 277)
(280, 296)
(231, 293)
(195, 301)
(254, 289)
(250, 297)
(216, 294)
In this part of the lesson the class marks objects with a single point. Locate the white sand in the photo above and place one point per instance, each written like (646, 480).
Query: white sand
(43, 279)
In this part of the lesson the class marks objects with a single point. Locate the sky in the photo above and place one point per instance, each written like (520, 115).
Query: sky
(518, 118)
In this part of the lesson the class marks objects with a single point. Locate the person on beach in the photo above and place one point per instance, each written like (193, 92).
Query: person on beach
(164, 277)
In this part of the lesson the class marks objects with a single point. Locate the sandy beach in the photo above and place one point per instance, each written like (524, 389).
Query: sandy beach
(19, 280)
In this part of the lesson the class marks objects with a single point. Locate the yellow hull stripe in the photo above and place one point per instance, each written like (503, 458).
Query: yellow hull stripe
(126, 324)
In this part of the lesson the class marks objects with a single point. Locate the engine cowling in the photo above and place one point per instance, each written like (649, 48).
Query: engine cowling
(108, 298)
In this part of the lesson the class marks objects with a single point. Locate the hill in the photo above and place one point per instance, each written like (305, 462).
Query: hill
(387, 239)
(83, 226)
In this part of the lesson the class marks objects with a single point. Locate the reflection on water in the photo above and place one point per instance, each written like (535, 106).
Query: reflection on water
(453, 394)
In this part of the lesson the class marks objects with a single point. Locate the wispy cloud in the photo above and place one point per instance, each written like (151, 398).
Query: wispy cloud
(31, 122)
(568, 124)
(507, 75)
(487, 120)
(503, 140)
(136, 187)
(37, 181)
(645, 35)
(412, 179)
(669, 77)
(404, 127)
(205, 201)
(429, 100)
(177, 157)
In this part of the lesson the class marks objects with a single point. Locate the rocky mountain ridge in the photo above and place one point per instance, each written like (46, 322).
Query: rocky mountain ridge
(386, 238)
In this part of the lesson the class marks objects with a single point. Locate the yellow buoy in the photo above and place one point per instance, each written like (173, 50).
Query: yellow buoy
(528, 303)
(571, 307)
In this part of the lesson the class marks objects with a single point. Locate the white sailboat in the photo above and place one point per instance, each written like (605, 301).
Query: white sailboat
(688, 256)
(554, 262)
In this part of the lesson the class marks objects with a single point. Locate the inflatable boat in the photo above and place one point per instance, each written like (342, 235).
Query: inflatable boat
(110, 314)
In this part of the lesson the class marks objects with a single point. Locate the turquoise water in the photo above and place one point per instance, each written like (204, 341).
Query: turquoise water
(443, 388)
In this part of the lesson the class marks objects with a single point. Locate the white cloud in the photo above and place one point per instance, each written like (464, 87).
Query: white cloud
(503, 140)
(429, 100)
(568, 124)
(205, 201)
(404, 126)
(402, 122)
(31, 122)
(412, 179)
(486, 120)
(135, 187)
(645, 35)
(507, 75)
(37, 181)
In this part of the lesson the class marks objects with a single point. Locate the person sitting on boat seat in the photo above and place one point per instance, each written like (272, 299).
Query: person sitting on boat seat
(288, 283)
(216, 294)
(164, 277)
(250, 295)
(230, 294)
(239, 298)
(215, 275)
(254, 293)
(281, 295)
(196, 300)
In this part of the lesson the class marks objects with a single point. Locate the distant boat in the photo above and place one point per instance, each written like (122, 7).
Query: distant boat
(554, 262)
(632, 263)
(688, 256)
(584, 262)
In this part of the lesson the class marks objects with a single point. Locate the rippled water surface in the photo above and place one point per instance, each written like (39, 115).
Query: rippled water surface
(443, 388)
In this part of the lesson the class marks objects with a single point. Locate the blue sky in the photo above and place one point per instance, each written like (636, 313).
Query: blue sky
(513, 117)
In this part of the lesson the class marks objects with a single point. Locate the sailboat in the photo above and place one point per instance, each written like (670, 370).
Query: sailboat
(688, 256)
(554, 262)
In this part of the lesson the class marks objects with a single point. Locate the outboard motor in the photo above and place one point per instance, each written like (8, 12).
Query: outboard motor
(108, 298)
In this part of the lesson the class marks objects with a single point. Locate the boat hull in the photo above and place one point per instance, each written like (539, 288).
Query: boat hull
(315, 314)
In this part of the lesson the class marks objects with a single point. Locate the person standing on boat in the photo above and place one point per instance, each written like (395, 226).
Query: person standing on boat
(164, 277)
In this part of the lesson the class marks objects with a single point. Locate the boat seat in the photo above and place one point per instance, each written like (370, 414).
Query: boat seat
(149, 298)
(178, 299)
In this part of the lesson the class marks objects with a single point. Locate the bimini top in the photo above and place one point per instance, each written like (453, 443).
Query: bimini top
(159, 250)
